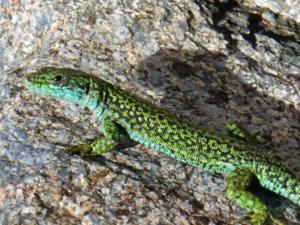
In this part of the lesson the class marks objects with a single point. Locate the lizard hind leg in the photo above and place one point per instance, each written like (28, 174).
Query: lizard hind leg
(240, 133)
(236, 190)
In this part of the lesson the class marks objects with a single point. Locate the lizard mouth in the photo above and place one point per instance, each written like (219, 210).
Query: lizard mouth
(34, 82)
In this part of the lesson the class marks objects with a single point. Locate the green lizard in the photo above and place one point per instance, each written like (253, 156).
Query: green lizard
(161, 131)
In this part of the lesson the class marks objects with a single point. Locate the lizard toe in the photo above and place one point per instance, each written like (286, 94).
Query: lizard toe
(255, 218)
(80, 148)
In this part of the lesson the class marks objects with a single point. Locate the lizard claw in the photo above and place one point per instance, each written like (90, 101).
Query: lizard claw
(81, 148)
(276, 221)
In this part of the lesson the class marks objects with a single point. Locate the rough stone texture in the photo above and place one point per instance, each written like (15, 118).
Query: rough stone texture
(209, 62)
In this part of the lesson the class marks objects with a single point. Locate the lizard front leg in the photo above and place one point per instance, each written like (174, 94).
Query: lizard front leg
(101, 145)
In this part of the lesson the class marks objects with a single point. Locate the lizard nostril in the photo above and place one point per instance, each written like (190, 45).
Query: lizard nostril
(30, 77)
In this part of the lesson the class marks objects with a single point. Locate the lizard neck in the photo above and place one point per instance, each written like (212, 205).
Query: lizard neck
(95, 96)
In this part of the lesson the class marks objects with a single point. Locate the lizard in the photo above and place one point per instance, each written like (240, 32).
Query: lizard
(235, 155)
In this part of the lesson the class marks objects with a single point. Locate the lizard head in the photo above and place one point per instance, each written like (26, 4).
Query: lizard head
(62, 83)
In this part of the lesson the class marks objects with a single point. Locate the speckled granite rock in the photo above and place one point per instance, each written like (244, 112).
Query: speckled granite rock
(209, 62)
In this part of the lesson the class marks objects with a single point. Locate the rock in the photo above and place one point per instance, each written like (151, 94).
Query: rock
(208, 62)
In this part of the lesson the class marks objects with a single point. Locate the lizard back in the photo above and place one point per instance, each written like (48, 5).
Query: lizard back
(159, 130)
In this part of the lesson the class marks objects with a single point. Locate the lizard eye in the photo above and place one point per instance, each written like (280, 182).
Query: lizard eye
(57, 78)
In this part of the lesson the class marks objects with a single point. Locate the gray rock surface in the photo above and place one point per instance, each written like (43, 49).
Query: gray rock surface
(209, 62)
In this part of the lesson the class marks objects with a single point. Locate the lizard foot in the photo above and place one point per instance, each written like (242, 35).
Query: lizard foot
(81, 148)
(255, 218)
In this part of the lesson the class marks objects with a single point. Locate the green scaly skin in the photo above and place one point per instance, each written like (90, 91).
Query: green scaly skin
(159, 130)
